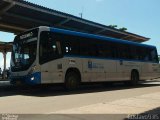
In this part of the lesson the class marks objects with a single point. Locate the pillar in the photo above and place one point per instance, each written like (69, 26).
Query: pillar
(4, 68)
(4, 57)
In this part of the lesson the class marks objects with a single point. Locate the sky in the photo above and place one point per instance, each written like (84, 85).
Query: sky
(138, 16)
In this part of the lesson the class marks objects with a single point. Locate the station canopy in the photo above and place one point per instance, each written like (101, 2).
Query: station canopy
(18, 15)
(5, 46)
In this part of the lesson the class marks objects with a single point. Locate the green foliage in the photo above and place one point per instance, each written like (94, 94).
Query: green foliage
(123, 29)
(115, 26)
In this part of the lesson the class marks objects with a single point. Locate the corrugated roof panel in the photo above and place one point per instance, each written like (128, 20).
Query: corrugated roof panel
(29, 15)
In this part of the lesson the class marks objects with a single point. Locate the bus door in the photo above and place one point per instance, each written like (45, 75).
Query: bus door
(51, 72)
(49, 57)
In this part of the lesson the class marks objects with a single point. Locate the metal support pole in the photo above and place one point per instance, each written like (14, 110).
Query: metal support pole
(4, 57)
(4, 68)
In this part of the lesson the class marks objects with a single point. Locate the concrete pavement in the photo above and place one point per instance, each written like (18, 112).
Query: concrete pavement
(133, 105)
(116, 102)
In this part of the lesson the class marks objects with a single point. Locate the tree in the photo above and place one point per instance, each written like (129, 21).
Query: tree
(123, 29)
(113, 26)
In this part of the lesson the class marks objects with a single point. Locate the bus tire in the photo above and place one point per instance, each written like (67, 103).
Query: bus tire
(134, 77)
(72, 81)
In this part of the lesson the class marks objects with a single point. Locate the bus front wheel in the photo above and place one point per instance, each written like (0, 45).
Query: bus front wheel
(72, 81)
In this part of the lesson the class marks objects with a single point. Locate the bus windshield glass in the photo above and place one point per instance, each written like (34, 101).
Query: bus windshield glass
(24, 50)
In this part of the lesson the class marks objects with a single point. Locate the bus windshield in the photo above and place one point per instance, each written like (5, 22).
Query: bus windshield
(24, 50)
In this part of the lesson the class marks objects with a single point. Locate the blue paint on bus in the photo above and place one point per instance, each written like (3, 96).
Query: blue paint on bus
(86, 35)
(31, 79)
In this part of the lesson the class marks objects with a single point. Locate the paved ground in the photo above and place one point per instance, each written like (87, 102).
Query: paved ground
(116, 102)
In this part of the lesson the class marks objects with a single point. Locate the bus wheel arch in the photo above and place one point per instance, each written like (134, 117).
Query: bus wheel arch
(134, 78)
(72, 79)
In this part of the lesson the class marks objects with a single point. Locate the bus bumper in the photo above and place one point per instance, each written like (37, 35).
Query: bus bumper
(32, 79)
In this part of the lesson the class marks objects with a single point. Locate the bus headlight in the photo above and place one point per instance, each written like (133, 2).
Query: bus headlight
(32, 78)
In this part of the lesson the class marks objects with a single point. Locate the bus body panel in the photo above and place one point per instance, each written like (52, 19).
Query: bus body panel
(149, 70)
(50, 72)
(124, 68)
(93, 69)
(71, 63)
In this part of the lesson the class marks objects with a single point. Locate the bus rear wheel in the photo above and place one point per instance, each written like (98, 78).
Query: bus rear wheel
(134, 78)
(72, 81)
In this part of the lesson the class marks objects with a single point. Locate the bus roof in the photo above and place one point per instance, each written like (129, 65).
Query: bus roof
(69, 32)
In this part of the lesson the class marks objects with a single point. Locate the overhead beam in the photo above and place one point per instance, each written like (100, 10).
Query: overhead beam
(10, 30)
(63, 22)
(131, 39)
(28, 19)
(100, 31)
(4, 10)
(126, 37)
(5, 46)
(16, 28)
(39, 9)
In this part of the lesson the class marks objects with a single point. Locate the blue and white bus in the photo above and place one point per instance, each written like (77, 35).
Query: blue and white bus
(47, 55)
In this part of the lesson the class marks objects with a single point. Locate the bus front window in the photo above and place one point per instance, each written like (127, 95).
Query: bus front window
(23, 53)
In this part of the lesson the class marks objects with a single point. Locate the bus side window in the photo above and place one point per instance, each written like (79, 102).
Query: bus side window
(68, 49)
(133, 53)
(140, 53)
(101, 50)
(93, 49)
(84, 47)
(71, 45)
(154, 55)
(123, 51)
(114, 50)
(50, 47)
